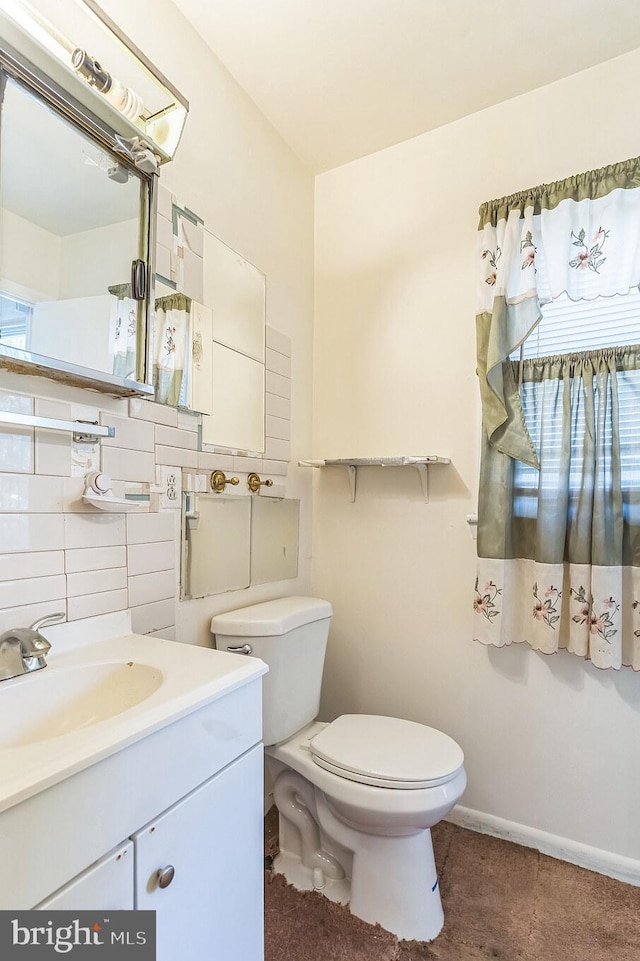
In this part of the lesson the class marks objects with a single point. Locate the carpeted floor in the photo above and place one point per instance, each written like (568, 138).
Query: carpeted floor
(501, 901)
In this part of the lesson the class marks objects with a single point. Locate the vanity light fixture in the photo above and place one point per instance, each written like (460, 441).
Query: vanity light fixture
(89, 50)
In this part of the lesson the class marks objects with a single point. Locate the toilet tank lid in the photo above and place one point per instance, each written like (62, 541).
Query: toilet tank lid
(271, 617)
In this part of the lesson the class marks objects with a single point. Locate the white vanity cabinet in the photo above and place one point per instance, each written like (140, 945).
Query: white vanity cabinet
(212, 908)
(107, 884)
(110, 805)
(208, 847)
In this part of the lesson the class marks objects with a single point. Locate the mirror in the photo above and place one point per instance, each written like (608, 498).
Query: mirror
(73, 219)
(274, 539)
(221, 363)
(234, 290)
(232, 542)
(215, 538)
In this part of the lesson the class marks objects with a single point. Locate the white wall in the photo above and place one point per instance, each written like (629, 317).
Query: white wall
(255, 195)
(91, 261)
(549, 741)
(30, 258)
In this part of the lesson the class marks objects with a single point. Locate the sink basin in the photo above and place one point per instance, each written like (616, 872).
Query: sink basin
(104, 689)
(47, 704)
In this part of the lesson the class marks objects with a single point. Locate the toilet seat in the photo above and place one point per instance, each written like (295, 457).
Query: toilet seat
(386, 752)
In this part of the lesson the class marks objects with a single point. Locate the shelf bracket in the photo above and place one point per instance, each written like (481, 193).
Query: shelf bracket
(353, 477)
(423, 470)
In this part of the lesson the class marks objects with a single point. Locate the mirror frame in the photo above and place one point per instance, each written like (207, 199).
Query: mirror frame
(27, 362)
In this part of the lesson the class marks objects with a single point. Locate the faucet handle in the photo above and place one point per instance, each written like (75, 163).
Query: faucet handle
(47, 620)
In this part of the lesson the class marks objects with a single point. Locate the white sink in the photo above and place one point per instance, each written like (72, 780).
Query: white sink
(49, 703)
(94, 699)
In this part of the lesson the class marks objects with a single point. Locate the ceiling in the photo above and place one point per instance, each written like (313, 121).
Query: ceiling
(340, 79)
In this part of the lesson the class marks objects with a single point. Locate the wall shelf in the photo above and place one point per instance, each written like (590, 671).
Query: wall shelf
(351, 464)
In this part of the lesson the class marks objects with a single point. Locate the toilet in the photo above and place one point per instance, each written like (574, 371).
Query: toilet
(357, 797)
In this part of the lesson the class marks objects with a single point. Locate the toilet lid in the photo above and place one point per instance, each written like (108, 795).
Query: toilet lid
(386, 751)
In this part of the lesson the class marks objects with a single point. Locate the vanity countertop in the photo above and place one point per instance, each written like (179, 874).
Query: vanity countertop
(95, 699)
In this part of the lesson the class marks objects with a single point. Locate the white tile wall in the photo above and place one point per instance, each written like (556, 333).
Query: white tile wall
(146, 528)
(94, 559)
(158, 413)
(278, 397)
(277, 384)
(278, 363)
(28, 493)
(176, 456)
(146, 558)
(59, 554)
(52, 448)
(130, 433)
(94, 582)
(174, 437)
(42, 564)
(90, 605)
(128, 465)
(150, 618)
(31, 532)
(147, 588)
(94, 530)
(16, 444)
(277, 406)
(27, 614)
(278, 427)
(31, 590)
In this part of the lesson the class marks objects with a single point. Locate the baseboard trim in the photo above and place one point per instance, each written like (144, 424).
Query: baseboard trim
(584, 855)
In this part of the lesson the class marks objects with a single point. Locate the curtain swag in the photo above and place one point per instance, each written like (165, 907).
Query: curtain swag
(578, 238)
(170, 342)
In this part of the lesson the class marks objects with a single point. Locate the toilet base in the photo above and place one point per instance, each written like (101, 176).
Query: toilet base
(301, 877)
(391, 881)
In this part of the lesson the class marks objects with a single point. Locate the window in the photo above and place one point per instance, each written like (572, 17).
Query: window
(15, 322)
(569, 327)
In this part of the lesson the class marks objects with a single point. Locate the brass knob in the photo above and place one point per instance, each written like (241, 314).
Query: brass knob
(219, 481)
(165, 876)
(254, 483)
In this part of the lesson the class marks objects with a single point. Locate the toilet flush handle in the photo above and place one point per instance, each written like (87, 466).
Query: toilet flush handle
(243, 649)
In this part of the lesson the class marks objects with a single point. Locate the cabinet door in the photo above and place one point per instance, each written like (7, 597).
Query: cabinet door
(106, 886)
(213, 839)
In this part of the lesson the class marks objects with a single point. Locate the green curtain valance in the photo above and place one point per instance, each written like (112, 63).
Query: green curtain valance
(175, 301)
(589, 185)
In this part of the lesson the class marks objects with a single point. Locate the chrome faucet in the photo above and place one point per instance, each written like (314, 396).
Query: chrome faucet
(23, 649)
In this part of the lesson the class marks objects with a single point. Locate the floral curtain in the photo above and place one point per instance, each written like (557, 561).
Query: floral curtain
(124, 331)
(559, 503)
(580, 236)
(170, 342)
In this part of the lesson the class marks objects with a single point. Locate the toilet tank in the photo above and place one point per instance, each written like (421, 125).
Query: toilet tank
(290, 635)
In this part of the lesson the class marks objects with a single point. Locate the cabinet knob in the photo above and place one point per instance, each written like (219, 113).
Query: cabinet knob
(165, 875)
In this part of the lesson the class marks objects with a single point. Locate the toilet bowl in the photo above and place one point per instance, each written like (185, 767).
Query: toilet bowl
(389, 872)
(356, 797)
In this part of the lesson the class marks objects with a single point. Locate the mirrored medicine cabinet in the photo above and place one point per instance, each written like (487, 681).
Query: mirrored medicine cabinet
(232, 542)
(77, 224)
(81, 297)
